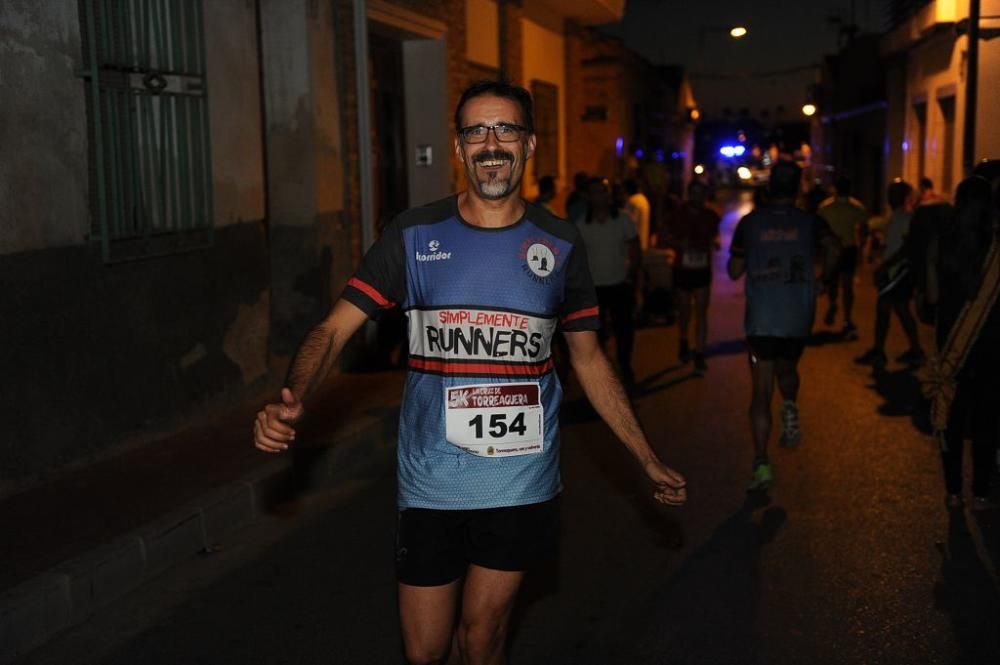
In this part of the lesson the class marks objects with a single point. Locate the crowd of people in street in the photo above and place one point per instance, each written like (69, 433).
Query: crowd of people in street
(491, 283)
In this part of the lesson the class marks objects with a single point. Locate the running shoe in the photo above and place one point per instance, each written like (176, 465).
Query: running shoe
(791, 435)
(831, 315)
(913, 358)
(871, 357)
(699, 362)
(763, 476)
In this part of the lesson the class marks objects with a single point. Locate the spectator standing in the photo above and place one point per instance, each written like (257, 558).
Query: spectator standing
(848, 219)
(576, 202)
(693, 234)
(638, 208)
(546, 192)
(966, 372)
(895, 283)
(612, 246)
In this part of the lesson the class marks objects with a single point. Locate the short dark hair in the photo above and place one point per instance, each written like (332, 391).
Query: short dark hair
(498, 89)
(926, 183)
(843, 185)
(786, 178)
(631, 186)
(899, 190)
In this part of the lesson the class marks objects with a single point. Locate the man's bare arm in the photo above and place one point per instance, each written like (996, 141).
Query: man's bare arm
(273, 427)
(608, 397)
(321, 348)
(736, 266)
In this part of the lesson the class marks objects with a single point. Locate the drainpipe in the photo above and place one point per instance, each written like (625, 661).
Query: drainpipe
(364, 123)
(971, 90)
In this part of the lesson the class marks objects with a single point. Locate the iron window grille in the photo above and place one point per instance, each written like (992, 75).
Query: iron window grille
(148, 123)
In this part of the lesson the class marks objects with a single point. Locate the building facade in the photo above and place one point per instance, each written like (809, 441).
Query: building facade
(926, 61)
(185, 190)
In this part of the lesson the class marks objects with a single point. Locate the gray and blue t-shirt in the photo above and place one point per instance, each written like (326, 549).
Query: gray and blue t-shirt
(479, 426)
(779, 245)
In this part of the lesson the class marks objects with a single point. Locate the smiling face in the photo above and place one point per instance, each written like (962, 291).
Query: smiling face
(494, 168)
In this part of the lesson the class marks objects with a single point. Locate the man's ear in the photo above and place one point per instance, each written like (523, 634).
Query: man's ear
(529, 147)
(458, 148)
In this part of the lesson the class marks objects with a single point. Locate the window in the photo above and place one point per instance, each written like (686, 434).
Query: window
(546, 101)
(147, 107)
(947, 105)
(920, 113)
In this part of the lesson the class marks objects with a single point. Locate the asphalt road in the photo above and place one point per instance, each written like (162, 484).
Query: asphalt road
(851, 558)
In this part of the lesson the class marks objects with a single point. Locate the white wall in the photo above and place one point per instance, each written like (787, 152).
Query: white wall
(482, 23)
(544, 59)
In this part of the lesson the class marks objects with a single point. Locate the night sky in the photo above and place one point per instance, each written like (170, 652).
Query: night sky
(783, 34)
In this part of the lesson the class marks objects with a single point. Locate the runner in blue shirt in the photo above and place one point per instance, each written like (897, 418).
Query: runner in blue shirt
(485, 280)
(776, 247)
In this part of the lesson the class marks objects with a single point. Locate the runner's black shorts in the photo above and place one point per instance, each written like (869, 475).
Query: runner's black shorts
(775, 348)
(435, 547)
(690, 279)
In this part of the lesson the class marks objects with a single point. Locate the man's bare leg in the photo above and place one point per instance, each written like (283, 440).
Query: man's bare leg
(762, 379)
(427, 616)
(701, 300)
(486, 605)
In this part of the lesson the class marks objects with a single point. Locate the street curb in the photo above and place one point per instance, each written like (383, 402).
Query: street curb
(36, 610)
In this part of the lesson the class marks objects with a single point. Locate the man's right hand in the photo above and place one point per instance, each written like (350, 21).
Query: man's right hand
(273, 431)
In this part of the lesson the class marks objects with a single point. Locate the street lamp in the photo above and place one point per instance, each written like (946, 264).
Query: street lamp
(734, 31)
(808, 109)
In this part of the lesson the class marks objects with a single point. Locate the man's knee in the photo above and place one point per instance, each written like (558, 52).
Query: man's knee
(425, 654)
(481, 637)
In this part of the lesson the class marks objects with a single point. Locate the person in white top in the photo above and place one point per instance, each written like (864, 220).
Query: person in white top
(637, 207)
(613, 254)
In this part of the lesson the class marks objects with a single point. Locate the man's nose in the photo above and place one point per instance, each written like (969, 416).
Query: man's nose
(492, 142)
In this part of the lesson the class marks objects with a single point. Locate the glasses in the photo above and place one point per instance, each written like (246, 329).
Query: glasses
(505, 133)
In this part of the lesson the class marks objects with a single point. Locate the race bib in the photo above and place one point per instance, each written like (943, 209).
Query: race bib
(495, 419)
(694, 260)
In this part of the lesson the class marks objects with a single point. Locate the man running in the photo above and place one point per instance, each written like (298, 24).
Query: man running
(776, 247)
(693, 234)
(848, 219)
(485, 280)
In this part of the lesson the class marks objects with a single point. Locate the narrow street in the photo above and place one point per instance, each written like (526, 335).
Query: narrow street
(852, 558)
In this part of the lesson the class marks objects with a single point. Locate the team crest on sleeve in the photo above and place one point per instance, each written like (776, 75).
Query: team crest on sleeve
(540, 259)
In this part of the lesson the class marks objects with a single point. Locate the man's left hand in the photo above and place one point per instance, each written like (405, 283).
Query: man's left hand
(671, 488)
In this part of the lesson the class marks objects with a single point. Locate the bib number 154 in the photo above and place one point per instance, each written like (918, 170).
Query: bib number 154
(498, 426)
(495, 420)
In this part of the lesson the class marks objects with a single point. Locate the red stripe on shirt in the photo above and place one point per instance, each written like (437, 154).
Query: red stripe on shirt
(370, 291)
(469, 367)
(583, 313)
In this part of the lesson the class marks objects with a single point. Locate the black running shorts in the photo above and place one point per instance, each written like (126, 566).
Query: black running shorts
(775, 348)
(435, 547)
(689, 280)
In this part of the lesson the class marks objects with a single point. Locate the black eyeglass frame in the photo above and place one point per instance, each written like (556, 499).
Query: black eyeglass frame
(520, 132)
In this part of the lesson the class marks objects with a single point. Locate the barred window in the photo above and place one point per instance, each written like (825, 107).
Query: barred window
(147, 108)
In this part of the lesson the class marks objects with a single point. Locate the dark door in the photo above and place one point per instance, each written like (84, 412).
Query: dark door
(389, 127)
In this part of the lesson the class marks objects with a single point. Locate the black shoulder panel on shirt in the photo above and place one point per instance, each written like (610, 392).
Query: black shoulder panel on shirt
(550, 223)
(429, 213)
